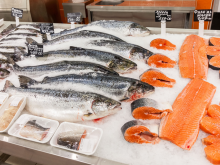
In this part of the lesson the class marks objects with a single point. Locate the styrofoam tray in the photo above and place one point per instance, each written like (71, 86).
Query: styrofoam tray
(3, 96)
(46, 123)
(94, 136)
(3, 108)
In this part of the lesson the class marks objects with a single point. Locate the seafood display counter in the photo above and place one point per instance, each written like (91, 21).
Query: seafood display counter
(114, 146)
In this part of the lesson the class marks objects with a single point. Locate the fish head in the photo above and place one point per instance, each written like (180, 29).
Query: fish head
(138, 30)
(122, 65)
(138, 90)
(140, 53)
(5, 64)
(4, 73)
(103, 106)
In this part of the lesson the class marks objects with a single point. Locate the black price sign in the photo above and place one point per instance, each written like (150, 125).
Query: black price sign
(46, 28)
(205, 15)
(74, 17)
(16, 12)
(36, 50)
(163, 15)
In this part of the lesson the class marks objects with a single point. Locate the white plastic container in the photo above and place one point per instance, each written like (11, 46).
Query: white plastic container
(90, 142)
(3, 98)
(5, 106)
(46, 123)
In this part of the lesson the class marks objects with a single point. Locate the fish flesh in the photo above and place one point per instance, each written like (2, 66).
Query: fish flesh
(115, 87)
(61, 105)
(157, 79)
(17, 55)
(181, 127)
(124, 49)
(34, 131)
(211, 139)
(145, 108)
(210, 125)
(212, 51)
(126, 27)
(214, 63)
(160, 61)
(162, 44)
(110, 60)
(214, 41)
(71, 139)
(214, 110)
(213, 153)
(136, 131)
(62, 67)
(193, 62)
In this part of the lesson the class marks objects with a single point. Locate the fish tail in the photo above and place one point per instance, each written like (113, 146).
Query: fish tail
(30, 41)
(7, 84)
(19, 52)
(10, 60)
(26, 81)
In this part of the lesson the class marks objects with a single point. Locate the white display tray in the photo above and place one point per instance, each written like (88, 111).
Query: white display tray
(6, 98)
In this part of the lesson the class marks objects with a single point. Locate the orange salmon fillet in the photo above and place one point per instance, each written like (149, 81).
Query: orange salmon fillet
(182, 126)
(193, 61)
(211, 139)
(214, 111)
(213, 153)
(210, 125)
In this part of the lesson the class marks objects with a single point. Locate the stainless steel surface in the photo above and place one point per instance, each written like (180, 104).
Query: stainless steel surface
(5, 9)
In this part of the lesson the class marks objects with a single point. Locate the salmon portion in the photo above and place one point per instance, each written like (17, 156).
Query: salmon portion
(137, 132)
(211, 139)
(213, 41)
(193, 61)
(160, 61)
(213, 153)
(210, 125)
(214, 111)
(214, 63)
(212, 51)
(162, 44)
(181, 127)
(157, 79)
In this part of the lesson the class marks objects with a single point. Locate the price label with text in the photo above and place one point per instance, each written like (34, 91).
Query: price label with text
(36, 50)
(46, 28)
(16, 12)
(202, 15)
(74, 17)
(163, 15)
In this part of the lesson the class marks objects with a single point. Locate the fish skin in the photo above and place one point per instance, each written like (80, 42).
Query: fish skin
(115, 87)
(110, 60)
(23, 34)
(6, 31)
(126, 27)
(12, 47)
(37, 26)
(34, 130)
(61, 105)
(68, 67)
(16, 55)
(28, 30)
(124, 49)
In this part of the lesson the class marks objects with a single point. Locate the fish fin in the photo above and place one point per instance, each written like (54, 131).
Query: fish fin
(45, 79)
(26, 81)
(10, 60)
(76, 48)
(7, 84)
(15, 65)
(30, 41)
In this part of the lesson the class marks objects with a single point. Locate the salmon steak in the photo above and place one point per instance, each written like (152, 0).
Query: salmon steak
(146, 108)
(213, 153)
(160, 61)
(193, 61)
(157, 79)
(181, 127)
(162, 44)
(214, 110)
(212, 51)
(210, 125)
(211, 139)
(137, 132)
(214, 63)
(213, 41)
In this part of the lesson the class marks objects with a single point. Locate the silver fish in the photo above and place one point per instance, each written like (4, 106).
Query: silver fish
(64, 105)
(16, 55)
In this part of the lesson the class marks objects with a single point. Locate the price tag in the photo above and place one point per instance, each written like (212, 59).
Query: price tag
(16, 12)
(203, 15)
(163, 15)
(46, 28)
(36, 50)
(87, 145)
(16, 101)
(74, 17)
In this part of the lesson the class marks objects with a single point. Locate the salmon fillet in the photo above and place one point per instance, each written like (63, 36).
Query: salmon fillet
(214, 111)
(211, 139)
(193, 61)
(182, 126)
(213, 153)
(210, 125)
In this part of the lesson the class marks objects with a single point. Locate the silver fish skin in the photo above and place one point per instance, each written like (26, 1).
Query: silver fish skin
(11, 40)
(126, 27)
(23, 34)
(110, 60)
(16, 55)
(61, 105)
(11, 47)
(29, 30)
(115, 87)
(36, 26)
(62, 67)
(124, 49)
